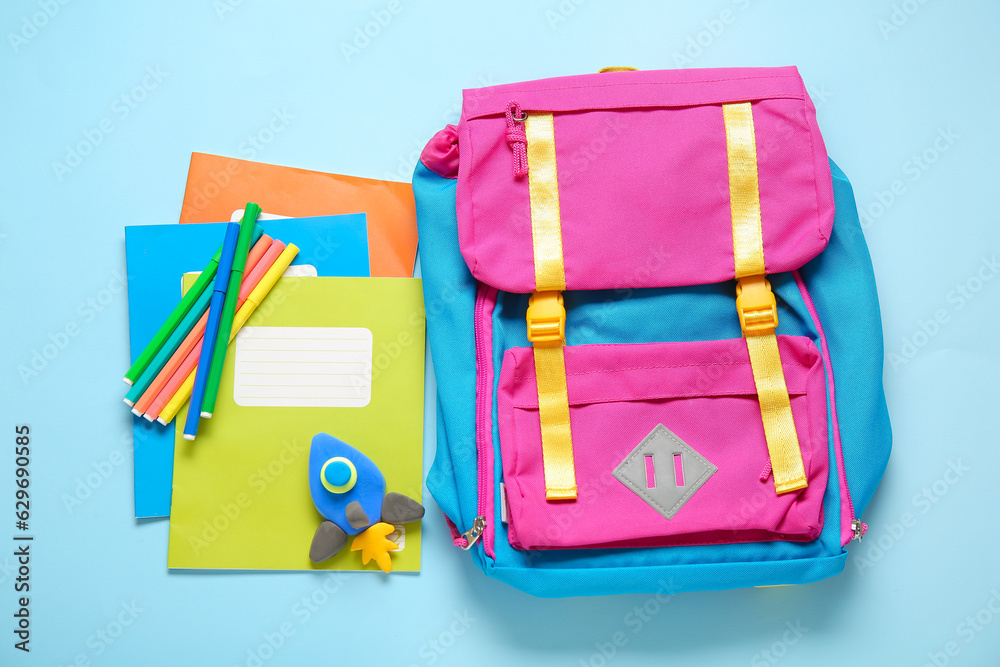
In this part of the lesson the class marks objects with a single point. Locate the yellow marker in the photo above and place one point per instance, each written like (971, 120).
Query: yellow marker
(253, 300)
(180, 397)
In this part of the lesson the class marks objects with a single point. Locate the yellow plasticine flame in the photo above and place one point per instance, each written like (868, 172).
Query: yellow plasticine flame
(374, 543)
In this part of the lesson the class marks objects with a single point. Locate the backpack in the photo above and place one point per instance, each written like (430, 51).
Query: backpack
(654, 327)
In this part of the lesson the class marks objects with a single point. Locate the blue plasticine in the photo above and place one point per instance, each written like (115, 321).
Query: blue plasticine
(368, 491)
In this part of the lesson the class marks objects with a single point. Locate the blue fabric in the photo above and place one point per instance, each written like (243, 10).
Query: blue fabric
(841, 282)
(626, 316)
(449, 300)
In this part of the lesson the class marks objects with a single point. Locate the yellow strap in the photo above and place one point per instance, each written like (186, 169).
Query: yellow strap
(744, 195)
(546, 313)
(543, 188)
(755, 301)
(776, 411)
(553, 413)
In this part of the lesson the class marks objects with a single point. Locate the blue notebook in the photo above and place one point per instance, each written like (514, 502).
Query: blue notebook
(157, 256)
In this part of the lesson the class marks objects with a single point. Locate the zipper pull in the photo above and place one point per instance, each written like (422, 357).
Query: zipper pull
(473, 534)
(859, 528)
(516, 138)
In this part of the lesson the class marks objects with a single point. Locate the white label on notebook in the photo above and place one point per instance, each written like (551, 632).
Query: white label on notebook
(238, 216)
(293, 271)
(305, 367)
(299, 270)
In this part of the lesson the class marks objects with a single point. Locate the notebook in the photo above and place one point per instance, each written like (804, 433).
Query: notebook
(344, 356)
(156, 258)
(217, 186)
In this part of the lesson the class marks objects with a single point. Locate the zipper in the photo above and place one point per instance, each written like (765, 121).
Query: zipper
(858, 527)
(483, 436)
(472, 535)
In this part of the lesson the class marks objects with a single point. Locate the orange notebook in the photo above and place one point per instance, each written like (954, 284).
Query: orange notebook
(217, 186)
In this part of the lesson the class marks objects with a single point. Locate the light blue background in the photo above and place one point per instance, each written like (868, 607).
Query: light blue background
(883, 98)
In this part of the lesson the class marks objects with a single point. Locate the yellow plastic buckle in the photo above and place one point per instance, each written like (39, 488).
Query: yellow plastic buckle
(756, 305)
(546, 319)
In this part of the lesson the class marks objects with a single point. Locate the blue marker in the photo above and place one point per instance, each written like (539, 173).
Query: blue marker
(211, 330)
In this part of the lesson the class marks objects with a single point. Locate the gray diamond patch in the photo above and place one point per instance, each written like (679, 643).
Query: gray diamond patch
(664, 471)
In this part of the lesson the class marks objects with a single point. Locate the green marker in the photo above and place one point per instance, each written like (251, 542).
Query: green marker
(247, 224)
(180, 310)
(179, 333)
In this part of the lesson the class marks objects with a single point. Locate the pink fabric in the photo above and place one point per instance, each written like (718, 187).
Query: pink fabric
(456, 537)
(642, 169)
(766, 472)
(440, 155)
(704, 393)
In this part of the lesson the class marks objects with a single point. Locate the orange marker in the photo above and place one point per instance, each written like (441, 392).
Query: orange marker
(189, 360)
(195, 335)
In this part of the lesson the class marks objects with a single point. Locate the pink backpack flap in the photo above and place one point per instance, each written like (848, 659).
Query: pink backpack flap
(643, 181)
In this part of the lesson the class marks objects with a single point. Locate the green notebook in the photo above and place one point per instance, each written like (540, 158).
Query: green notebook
(343, 356)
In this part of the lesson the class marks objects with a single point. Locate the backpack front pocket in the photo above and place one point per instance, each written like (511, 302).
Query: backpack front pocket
(669, 447)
